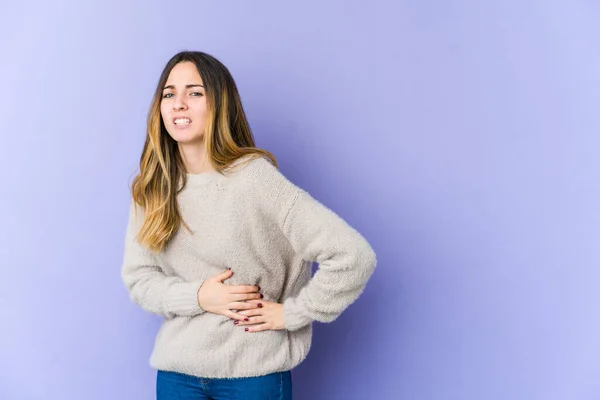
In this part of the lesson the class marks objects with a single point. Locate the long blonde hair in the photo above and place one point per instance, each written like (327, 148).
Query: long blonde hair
(227, 138)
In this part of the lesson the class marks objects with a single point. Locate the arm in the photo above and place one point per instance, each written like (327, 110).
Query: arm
(148, 285)
(346, 260)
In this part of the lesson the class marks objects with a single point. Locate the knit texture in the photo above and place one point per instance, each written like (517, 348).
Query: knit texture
(268, 231)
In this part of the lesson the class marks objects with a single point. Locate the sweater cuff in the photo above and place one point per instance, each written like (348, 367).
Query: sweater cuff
(184, 301)
(293, 318)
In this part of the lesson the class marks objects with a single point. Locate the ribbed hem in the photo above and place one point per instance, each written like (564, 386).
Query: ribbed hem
(184, 299)
(292, 317)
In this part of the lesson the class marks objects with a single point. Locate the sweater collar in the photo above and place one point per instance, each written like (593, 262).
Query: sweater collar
(202, 178)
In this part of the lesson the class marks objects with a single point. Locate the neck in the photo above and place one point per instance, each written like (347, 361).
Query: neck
(195, 158)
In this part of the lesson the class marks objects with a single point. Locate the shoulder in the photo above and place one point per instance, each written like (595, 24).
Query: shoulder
(261, 173)
(267, 187)
(252, 163)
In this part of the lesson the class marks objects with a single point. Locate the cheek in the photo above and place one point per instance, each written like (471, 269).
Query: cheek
(200, 111)
(164, 113)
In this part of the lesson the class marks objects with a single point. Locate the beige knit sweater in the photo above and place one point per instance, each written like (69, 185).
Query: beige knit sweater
(268, 231)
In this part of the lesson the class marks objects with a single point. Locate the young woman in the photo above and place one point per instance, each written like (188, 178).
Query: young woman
(221, 244)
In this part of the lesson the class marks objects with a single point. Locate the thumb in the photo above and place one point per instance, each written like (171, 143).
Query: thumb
(224, 275)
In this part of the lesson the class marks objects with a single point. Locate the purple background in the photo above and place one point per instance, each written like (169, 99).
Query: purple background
(461, 138)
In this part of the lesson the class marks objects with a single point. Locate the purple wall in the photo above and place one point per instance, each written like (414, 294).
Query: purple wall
(461, 138)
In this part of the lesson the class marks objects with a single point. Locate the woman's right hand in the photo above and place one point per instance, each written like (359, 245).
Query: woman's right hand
(216, 297)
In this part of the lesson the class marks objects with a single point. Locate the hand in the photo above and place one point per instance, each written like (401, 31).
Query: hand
(269, 316)
(216, 297)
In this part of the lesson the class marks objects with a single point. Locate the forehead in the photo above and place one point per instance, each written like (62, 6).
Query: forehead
(184, 73)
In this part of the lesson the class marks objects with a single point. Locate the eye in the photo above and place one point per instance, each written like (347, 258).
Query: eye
(166, 96)
(196, 94)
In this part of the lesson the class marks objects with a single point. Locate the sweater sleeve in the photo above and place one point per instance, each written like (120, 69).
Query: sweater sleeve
(345, 259)
(147, 284)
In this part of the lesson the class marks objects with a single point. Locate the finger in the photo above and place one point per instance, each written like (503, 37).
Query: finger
(258, 302)
(248, 296)
(259, 319)
(257, 328)
(223, 275)
(244, 289)
(236, 316)
(243, 305)
(252, 312)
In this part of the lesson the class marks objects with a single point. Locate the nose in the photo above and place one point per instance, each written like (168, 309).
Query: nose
(179, 103)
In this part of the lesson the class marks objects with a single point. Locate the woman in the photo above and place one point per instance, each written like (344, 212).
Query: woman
(221, 244)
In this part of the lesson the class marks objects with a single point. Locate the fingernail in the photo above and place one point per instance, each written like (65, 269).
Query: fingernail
(246, 319)
(236, 322)
(259, 305)
(261, 296)
(246, 329)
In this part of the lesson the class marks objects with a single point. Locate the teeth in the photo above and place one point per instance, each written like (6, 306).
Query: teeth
(182, 121)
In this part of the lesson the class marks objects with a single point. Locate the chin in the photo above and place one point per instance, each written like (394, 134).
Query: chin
(181, 138)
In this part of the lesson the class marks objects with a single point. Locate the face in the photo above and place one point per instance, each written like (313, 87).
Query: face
(183, 104)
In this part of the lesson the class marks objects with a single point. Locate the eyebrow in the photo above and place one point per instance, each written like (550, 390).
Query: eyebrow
(191, 85)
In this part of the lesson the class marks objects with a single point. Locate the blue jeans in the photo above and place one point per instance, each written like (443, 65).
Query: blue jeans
(177, 386)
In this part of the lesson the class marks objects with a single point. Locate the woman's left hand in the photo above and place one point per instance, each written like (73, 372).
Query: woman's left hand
(267, 317)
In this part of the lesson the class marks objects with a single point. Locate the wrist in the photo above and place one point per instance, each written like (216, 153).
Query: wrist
(199, 296)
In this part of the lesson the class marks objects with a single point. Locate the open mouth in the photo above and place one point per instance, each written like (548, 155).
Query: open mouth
(182, 121)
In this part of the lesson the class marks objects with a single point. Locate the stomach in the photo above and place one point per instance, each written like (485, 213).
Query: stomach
(210, 345)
